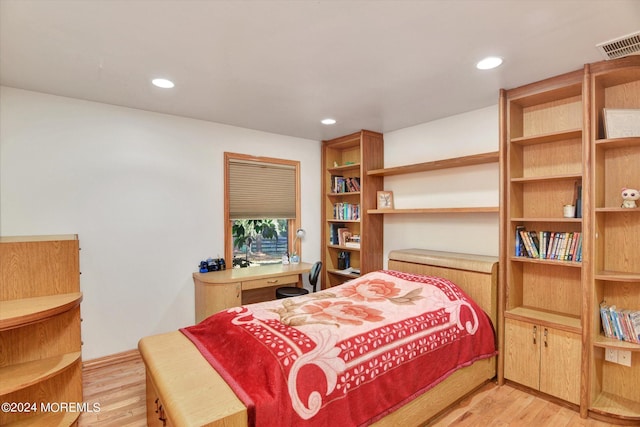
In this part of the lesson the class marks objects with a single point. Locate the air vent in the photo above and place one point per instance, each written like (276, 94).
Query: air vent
(623, 46)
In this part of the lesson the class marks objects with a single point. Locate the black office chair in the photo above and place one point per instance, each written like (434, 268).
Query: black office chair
(293, 291)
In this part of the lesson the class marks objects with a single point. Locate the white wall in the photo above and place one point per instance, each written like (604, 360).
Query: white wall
(143, 191)
(465, 134)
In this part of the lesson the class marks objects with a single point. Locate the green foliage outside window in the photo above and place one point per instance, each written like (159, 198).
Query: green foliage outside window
(259, 241)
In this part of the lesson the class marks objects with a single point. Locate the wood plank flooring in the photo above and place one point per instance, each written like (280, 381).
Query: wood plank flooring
(119, 388)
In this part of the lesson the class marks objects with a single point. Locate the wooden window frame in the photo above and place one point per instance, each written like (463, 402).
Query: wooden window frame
(292, 224)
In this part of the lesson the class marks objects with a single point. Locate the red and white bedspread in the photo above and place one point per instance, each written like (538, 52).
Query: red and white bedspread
(349, 354)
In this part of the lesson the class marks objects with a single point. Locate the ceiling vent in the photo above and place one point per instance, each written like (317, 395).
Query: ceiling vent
(623, 46)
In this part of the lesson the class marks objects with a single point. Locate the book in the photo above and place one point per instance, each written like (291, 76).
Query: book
(606, 320)
(544, 240)
(524, 235)
(343, 234)
(579, 249)
(574, 246)
(626, 326)
(334, 238)
(615, 323)
(535, 244)
(634, 317)
(519, 245)
(553, 246)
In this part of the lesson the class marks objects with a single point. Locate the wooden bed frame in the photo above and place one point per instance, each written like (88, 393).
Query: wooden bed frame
(184, 390)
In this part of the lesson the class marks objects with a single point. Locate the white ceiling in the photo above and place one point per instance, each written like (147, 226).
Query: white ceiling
(282, 66)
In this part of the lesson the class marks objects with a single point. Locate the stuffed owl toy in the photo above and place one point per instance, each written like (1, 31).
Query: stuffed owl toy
(629, 197)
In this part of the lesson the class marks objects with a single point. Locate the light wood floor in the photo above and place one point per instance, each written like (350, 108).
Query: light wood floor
(120, 390)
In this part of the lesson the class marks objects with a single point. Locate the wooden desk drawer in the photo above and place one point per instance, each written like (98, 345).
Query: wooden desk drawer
(270, 281)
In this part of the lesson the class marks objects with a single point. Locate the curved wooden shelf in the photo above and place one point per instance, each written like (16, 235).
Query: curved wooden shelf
(604, 342)
(613, 406)
(617, 276)
(618, 209)
(21, 312)
(478, 209)
(23, 375)
(48, 419)
(454, 162)
(617, 142)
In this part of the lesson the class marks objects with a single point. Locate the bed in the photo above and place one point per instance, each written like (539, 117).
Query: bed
(184, 390)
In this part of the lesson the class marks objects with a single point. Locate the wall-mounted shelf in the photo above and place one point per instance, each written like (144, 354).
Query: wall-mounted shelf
(478, 209)
(454, 162)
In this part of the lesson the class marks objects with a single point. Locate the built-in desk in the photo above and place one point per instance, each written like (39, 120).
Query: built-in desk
(218, 290)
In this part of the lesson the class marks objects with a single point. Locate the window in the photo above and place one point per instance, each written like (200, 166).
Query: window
(262, 203)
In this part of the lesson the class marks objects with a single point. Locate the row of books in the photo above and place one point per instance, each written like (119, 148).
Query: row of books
(341, 235)
(623, 325)
(346, 211)
(353, 241)
(340, 184)
(558, 245)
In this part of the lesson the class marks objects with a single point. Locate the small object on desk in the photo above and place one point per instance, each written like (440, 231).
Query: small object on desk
(203, 267)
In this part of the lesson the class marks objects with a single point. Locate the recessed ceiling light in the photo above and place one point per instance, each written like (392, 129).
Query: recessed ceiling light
(163, 83)
(489, 62)
(328, 121)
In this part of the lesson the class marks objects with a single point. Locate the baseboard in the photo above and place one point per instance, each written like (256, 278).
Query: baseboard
(112, 359)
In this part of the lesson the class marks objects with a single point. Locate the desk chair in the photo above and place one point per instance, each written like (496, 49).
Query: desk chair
(293, 291)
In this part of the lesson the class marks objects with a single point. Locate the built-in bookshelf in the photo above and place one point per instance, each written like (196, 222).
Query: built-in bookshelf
(555, 147)
(616, 254)
(349, 194)
(544, 150)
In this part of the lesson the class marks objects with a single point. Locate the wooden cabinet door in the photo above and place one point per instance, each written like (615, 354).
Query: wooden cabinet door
(522, 353)
(212, 298)
(560, 364)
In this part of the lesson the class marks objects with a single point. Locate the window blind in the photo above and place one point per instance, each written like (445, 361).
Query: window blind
(260, 190)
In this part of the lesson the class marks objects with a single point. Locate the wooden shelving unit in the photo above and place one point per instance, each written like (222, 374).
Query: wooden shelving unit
(542, 140)
(40, 327)
(352, 156)
(552, 137)
(613, 388)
